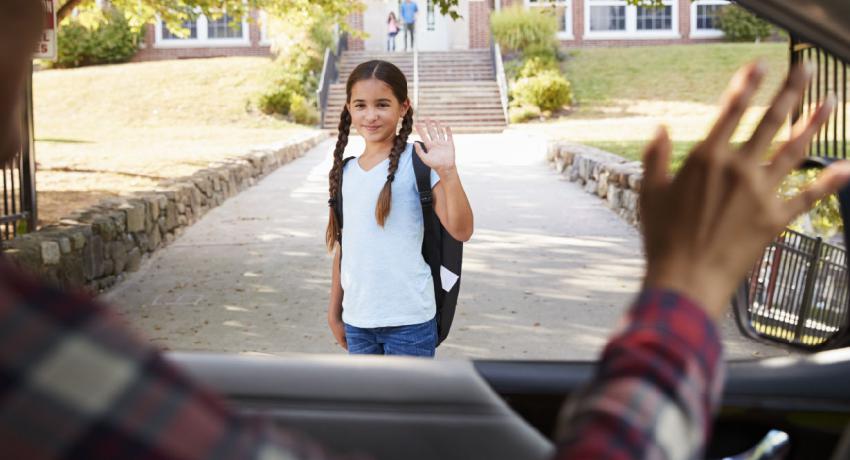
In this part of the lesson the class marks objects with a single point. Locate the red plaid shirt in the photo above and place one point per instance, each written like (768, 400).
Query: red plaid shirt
(74, 383)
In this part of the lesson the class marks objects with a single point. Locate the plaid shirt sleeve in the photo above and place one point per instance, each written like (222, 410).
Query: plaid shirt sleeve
(655, 390)
(75, 383)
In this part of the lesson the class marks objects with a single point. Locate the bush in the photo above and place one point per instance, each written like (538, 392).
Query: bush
(740, 25)
(519, 29)
(548, 90)
(278, 101)
(536, 66)
(300, 42)
(524, 113)
(105, 38)
(303, 112)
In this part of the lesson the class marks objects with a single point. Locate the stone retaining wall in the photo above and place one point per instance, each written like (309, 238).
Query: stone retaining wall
(608, 176)
(94, 247)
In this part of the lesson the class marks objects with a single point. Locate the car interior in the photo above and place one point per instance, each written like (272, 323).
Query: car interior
(795, 407)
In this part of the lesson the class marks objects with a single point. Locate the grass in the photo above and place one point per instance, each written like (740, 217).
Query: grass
(115, 129)
(622, 94)
(684, 73)
(633, 150)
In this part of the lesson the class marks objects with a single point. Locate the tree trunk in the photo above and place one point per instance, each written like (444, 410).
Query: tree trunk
(66, 9)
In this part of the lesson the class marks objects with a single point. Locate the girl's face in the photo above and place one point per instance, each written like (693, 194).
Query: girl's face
(375, 111)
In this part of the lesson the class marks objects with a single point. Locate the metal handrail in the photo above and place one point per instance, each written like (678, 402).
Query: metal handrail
(330, 74)
(501, 79)
(324, 84)
(415, 78)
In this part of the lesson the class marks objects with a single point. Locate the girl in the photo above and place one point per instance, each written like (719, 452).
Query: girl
(382, 296)
(392, 31)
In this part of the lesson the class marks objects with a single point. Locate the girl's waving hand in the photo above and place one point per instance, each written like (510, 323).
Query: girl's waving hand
(439, 145)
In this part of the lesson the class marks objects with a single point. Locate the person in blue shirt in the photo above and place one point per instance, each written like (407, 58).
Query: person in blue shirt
(408, 16)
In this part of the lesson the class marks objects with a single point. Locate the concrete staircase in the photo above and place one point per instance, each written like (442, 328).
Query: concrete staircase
(455, 87)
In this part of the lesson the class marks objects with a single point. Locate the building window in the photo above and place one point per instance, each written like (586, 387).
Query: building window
(705, 18)
(649, 18)
(708, 17)
(562, 10)
(223, 27)
(617, 20)
(205, 32)
(192, 25)
(607, 18)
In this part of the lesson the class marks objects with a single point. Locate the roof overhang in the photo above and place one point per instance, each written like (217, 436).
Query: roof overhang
(825, 23)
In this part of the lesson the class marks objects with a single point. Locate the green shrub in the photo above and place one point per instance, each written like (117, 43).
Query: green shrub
(524, 113)
(548, 90)
(548, 52)
(106, 37)
(519, 29)
(303, 112)
(277, 101)
(740, 25)
(536, 66)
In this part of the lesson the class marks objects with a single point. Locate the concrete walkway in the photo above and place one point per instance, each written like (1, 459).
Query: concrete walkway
(546, 276)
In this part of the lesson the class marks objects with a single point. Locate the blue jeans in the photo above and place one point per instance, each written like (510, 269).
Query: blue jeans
(391, 41)
(413, 340)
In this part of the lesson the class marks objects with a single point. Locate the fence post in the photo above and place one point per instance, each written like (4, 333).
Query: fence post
(28, 197)
(811, 277)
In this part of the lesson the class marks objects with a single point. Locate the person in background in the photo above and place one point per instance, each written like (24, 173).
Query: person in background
(78, 384)
(392, 31)
(409, 9)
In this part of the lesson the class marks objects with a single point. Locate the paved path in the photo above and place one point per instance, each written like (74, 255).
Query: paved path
(546, 276)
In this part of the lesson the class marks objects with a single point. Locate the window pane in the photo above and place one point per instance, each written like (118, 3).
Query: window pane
(708, 16)
(190, 24)
(655, 18)
(224, 27)
(607, 18)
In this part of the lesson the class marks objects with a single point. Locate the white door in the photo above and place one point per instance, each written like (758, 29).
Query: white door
(432, 28)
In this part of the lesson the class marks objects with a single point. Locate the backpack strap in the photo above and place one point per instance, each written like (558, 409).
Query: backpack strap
(431, 239)
(336, 202)
(423, 180)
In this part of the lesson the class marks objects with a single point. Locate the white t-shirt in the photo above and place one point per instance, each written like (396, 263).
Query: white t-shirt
(385, 280)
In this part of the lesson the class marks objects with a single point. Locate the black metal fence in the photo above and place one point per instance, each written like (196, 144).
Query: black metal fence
(798, 290)
(831, 76)
(18, 204)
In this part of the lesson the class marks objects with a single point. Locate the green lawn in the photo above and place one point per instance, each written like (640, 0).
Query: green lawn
(622, 94)
(115, 129)
(686, 73)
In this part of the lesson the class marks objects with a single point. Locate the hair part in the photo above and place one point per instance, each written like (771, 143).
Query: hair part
(393, 76)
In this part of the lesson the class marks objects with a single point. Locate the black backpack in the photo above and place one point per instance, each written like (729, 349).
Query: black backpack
(441, 251)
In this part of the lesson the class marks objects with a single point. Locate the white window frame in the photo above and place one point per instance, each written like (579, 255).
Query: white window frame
(264, 29)
(631, 32)
(567, 34)
(705, 33)
(202, 39)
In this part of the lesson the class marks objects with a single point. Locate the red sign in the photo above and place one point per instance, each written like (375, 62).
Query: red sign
(47, 48)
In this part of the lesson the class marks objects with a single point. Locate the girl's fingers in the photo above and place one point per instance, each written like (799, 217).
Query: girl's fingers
(656, 160)
(830, 180)
(784, 101)
(440, 131)
(432, 130)
(449, 138)
(793, 152)
(420, 129)
(735, 102)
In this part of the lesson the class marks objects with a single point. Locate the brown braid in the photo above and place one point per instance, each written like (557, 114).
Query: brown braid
(333, 229)
(382, 210)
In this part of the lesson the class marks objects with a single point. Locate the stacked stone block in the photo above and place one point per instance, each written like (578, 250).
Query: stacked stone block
(94, 248)
(608, 176)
